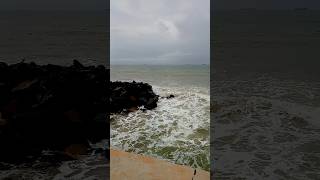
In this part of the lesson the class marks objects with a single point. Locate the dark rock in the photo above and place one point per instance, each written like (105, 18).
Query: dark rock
(77, 64)
(129, 96)
(171, 96)
(52, 107)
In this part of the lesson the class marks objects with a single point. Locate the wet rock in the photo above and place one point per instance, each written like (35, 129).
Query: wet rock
(77, 64)
(53, 107)
(170, 96)
(50, 107)
(24, 85)
(74, 150)
(128, 96)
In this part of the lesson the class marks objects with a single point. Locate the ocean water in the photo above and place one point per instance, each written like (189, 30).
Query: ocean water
(178, 129)
(265, 95)
(266, 128)
(55, 37)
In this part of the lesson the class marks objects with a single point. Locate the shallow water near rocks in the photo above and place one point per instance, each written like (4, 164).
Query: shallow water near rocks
(178, 129)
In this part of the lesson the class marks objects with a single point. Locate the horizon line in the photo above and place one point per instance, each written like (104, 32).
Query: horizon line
(158, 64)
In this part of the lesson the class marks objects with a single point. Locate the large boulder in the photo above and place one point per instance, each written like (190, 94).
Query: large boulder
(130, 95)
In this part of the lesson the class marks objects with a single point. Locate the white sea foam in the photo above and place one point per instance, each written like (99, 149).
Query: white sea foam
(87, 168)
(177, 130)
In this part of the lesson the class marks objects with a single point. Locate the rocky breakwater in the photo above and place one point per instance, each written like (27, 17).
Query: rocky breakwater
(51, 107)
(129, 96)
(61, 109)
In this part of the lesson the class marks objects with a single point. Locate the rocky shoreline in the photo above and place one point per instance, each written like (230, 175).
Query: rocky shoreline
(128, 96)
(62, 109)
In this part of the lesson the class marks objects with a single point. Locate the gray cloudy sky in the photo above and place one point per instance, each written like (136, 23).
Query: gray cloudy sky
(160, 31)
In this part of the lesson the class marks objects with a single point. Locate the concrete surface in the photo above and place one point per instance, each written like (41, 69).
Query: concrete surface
(125, 166)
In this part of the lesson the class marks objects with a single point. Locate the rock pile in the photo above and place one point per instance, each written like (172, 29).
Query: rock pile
(52, 107)
(128, 96)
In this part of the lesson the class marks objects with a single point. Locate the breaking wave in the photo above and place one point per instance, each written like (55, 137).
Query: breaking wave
(177, 130)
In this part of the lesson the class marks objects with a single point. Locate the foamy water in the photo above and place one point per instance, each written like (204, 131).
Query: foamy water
(87, 167)
(178, 129)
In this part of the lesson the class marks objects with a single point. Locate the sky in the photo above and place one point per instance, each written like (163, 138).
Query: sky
(160, 32)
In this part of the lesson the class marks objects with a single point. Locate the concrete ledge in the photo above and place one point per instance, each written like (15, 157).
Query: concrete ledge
(125, 166)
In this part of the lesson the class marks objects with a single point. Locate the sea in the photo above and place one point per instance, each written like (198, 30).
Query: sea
(178, 130)
(265, 94)
(55, 37)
